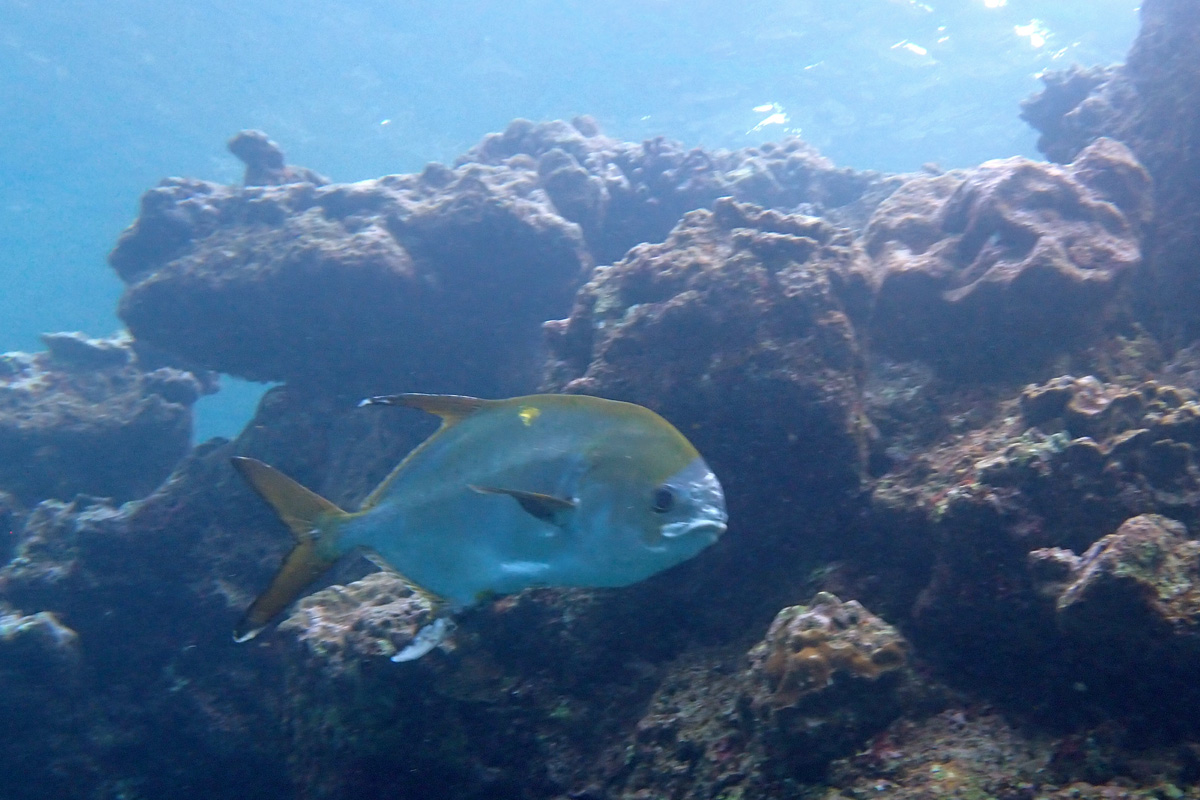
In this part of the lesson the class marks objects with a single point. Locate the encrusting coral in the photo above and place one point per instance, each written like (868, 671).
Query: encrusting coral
(808, 647)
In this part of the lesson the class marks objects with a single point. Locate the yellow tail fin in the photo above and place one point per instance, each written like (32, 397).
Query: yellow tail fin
(312, 519)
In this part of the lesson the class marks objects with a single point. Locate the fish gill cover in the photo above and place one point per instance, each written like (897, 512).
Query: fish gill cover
(954, 413)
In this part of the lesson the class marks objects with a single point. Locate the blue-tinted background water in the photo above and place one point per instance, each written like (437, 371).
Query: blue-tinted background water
(103, 99)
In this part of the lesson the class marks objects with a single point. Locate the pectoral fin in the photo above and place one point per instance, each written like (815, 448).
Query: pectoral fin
(312, 519)
(545, 507)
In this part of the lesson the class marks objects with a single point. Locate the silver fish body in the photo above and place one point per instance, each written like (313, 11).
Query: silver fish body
(543, 490)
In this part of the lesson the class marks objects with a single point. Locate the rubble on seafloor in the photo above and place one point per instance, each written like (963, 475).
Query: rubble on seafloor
(956, 411)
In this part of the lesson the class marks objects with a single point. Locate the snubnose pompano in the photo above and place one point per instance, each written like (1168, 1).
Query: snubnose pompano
(542, 490)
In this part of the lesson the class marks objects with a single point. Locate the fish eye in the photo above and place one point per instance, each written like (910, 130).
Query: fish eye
(664, 500)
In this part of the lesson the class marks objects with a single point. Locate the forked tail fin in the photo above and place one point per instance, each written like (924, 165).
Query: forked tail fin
(312, 519)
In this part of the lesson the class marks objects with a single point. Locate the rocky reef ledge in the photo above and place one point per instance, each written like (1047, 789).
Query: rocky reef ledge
(955, 415)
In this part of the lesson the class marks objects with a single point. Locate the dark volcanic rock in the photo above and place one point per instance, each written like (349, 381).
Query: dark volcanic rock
(1152, 104)
(85, 417)
(992, 270)
(435, 282)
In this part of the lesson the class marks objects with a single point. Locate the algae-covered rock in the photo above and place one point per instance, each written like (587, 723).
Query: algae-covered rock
(338, 627)
(1133, 599)
(991, 270)
(738, 329)
(87, 417)
(1152, 104)
(344, 286)
(827, 676)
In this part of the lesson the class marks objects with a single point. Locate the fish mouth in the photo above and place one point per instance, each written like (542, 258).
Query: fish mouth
(710, 528)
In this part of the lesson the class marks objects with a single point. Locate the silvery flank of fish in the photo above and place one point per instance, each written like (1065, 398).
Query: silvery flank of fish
(541, 490)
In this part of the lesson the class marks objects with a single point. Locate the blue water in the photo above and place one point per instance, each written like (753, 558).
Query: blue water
(103, 99)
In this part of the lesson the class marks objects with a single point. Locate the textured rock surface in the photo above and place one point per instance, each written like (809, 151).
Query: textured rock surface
(738, 329)
(824, 680)
(994, 269)
(265, 164)
(346, 286)
(748, 329)
(86, 417)
(513, 720)
(151, 589)
(1152, 104)
(1133, 599)
(472, 258)
(1052, 468)
(41, 674)
(340, 626)
(623, 194)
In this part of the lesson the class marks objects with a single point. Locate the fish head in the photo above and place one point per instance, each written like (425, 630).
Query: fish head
(687, 511)
(642, 523)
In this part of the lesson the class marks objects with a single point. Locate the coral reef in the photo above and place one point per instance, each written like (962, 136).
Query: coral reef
(473, 259)
(265, 163)
(1132, 601)
(995, 269)
(738, 327)
(622, 194)
(86, 417)
(1152, 104)
(708, 722)
(882, 370)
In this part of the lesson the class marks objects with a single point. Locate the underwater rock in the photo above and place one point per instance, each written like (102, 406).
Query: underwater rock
(826, 677)
(1132, 601)
(265, 164)
(994, 269)
(738, 329)
(342, 626)
(1052, 469)
(345, 286)
(85, 417)
(809, 648)
(623, 193)
(42, 709)
(1152, 104)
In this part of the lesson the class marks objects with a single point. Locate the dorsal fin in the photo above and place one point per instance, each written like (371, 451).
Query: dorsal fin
(450, 407)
